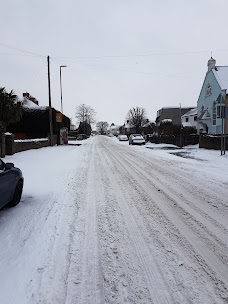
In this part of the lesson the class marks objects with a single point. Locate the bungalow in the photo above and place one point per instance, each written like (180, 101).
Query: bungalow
(213, 100)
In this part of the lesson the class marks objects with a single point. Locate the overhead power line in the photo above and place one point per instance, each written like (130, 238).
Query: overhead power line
(21, 50)
(22, 55)
(148, 54)
(131, 71)
(139, 55)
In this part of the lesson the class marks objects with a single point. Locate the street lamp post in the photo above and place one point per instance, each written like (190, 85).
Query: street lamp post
(61, 66)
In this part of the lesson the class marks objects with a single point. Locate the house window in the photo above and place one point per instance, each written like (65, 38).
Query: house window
(214, 114)
(186, 119)
(220, 111)
(195, 118)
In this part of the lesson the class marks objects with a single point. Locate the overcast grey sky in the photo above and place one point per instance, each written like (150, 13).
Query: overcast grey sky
(119, 53)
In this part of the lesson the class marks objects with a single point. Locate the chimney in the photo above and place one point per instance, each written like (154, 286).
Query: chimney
(211, 64)
(26, 95)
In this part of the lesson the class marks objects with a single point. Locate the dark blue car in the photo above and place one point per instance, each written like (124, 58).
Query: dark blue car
(11, 184)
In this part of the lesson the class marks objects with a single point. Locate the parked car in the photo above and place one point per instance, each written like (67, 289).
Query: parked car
(123, 137)
(11, 184)
(81, 136)
(136, 139)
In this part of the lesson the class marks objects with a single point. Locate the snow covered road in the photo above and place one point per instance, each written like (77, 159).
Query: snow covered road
(111, 223)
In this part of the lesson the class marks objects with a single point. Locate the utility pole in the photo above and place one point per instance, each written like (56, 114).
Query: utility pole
(50, 109)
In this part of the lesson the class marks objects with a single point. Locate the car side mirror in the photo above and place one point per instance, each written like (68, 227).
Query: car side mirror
(9, 166)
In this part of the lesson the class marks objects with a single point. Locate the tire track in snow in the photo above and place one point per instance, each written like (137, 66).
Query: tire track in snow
(166, 176)
(158, 287)
(186, 205)
(92, 280)
(58, 232)
(189, 182)
(200, 247)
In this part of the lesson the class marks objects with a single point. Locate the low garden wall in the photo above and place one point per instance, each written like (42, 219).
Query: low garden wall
(24, 145)
(207, 141)
(13, 146)
(191, 139)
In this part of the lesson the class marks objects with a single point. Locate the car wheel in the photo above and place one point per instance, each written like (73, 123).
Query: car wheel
(17, 195)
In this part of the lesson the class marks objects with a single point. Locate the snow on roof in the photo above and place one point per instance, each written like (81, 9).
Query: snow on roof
(166, 120)
(147, 124)
(114, 127)
(176, 107)
(30, 104)
(128, 125)
(221, 75)
(192, 112)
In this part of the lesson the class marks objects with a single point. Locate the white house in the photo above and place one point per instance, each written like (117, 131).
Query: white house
(114, 130)
(189, 119)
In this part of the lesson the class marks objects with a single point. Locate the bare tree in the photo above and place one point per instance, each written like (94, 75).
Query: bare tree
(102, 127)
(137, 117)
(85, 113)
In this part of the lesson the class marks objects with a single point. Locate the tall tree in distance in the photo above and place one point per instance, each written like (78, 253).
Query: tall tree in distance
(137, 117)
(86, 114)
(102, 127)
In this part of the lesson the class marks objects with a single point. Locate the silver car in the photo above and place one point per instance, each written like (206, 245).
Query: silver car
(136, 139)
(123, 138)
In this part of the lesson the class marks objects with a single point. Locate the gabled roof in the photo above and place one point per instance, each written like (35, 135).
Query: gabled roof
(192, 112)
(221, 75)
(204, 115)
(147, 124)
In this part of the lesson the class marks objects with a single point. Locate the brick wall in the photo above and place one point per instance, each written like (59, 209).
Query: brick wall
(29, 145)
(10, 146)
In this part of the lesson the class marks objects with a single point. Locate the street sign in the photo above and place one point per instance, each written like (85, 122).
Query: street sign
(59, 117)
